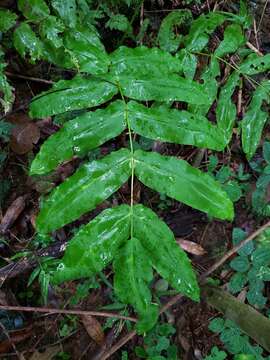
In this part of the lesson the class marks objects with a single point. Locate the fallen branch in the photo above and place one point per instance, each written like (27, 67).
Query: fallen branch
(65, 311)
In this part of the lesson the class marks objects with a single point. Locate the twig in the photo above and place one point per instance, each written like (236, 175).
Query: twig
(253, 48)
(202, 278)
(30, 78)
(118, 345)
(64, 311)
(233, 251)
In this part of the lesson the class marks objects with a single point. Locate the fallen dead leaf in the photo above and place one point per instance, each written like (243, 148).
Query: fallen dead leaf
(12, 213)
(191, 247)
(23, 137)
(48, 354)
(94, 329)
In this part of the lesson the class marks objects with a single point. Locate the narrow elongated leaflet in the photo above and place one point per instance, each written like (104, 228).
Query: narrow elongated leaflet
(255, 119)
(143, 60)
(160, 88)
(95, 245)
(226, 109)
(91, 184)
(179, 180)
(169, 260)
(68, 95)
(133, 273)
(171, 125)
(88, 53)
(80, 135)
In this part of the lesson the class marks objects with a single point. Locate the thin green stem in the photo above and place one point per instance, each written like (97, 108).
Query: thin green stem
(132, 160)
(250, 79)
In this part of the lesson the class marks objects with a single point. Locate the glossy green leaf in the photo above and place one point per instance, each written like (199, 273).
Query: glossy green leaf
(119, 22)
(67, 11)
(34, 10)
(240, 264)
(143, 61)
(95, 245)
(255, 119)
(7, 20)
(91, 184)
(80, 135)
(171, 125)
(169, 260)
(179, 180)
(75, 94)
(237, 282)
(133, 274)
(171, 87)
(233, 39)
(6, 90)
(188, 62)
(26, 42)
(200, 30)
(209, 86)
(88, 53)
(255, 64)
(226, 109)
(50, 28)
(167, 39)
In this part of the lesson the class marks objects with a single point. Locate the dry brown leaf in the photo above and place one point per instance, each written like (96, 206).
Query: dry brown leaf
(12, 213)
(48, 354)
(93, 328)
(191, 247)
(15, 337)
(23, 137)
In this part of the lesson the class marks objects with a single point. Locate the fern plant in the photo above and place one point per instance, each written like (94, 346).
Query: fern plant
(124, 82)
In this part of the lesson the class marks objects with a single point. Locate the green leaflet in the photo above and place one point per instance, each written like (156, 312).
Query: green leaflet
(200, 30)
(189, 63)
(170, 87)
(87, 51)
(7, 98)
(67, 11)
(133, 273)
(91, 184)
(167, 38)
(95, 245)
(7, 20)
(179, 180)
(255, 119)
(171, 125)
(80, 135)
(68, 95)
(141, 61)
(226, 109)
(34, 10)
(255, 64)
(209, 86)
(7, 91)
(169, 260)
(25, 41)
(233, 39)
(50, 28)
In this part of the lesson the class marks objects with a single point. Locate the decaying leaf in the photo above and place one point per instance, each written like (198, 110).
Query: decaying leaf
(191, 247)
(93, 328)
(23, 137)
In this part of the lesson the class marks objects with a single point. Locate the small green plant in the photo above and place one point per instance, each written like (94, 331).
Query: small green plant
(260, 204)
(157, 344)
(235, 342)
(7, 21)
(132, 91)
(252, 266)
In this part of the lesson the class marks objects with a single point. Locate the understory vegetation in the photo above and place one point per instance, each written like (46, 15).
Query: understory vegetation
(135, 179)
